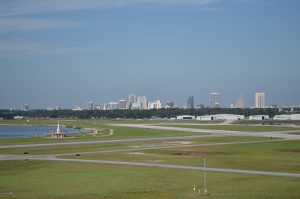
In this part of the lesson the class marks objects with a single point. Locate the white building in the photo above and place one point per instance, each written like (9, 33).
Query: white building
(220, 117)
(76, 108)
(132, 98)
(25, 107)
(142, 100)
(295, 117)
(154, 105)
(282, 117)
(112, 105)
(260, 100)
(89, 105)
(185, 117)
(215, 100)
(287, 117)
(259, 117)
(18, 117)
(136, 106)
(122, 104)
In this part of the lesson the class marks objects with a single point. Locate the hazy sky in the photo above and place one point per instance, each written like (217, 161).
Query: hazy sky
(67, 52)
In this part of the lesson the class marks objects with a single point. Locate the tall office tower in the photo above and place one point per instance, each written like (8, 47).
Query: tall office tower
(122, 104)
(154, 105)
(215, 100)
(112, 105)
(25, 107)
(132, 98)
(142, 100)
(260, 100)
(190, 102)
(89, 105)
(240, 103)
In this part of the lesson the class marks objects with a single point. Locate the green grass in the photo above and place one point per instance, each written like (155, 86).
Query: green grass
(119, 133)
(236, 127)
(123, 145)
(58, 180)
(281, 156)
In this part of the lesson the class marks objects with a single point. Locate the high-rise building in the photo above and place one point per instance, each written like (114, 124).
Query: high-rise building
(190, 102)
(112, 105)
(240, 103)
(260, 100)
(215, 100)
(122, 104)
(89, 105)
(154, 105)
(25, 107)
(142, 100)
(132, 98)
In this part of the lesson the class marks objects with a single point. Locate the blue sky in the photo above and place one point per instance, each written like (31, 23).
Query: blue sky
(67, 52)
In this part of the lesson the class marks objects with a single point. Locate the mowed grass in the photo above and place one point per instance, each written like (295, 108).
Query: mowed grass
(118, 133)
(235, 127)
(280, 156)
(59, 180)
(121, 145)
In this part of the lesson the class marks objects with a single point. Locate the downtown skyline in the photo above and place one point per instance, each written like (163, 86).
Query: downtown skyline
(63, 54)
(138, 102)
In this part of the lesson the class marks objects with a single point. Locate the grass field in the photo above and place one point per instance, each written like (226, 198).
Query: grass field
(281, 156)
(124, 145)
(32, 179)
(56, 180)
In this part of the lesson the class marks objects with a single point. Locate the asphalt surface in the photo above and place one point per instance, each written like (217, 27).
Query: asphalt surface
(275, 134)
(174, 167)
(107, 141)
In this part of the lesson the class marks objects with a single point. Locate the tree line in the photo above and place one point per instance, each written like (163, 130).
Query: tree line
(140, 114)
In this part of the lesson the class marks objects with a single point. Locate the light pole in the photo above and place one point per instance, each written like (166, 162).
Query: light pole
(204, 176)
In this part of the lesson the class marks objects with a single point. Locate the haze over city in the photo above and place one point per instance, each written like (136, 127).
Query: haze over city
(65, 54)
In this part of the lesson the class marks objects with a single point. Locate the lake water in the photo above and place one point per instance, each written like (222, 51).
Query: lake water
(30, 131)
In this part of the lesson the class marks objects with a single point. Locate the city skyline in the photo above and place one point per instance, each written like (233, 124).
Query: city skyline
(63, 54)
(143, 103)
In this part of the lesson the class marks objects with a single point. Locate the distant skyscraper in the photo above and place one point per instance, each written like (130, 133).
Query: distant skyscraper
(25, 107)
(89, 105)
(142, 100)
(132, 98)
(112, 105)
(215, 100)
(190, 102)
(154, 105)
(122, 104)
(260, 100)
(240, 103)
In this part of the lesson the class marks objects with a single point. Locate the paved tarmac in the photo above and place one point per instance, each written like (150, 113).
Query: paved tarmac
(268, 173)
(275, 134)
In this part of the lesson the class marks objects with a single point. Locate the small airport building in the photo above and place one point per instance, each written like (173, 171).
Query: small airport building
(259, 117)
(287, 117)
(185, 117)
(220, 117)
